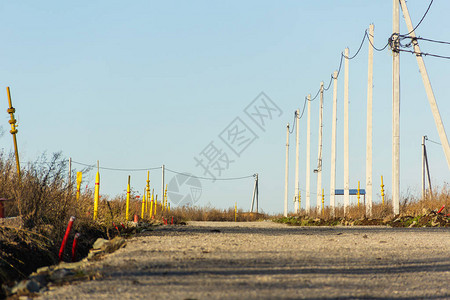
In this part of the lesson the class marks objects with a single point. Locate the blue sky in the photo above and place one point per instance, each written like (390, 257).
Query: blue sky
(138, 84)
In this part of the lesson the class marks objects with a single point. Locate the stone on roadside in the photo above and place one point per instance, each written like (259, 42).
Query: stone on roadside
(26, 286)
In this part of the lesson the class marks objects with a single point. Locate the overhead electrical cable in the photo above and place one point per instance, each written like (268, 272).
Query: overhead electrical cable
(209, 178)
(115, 169)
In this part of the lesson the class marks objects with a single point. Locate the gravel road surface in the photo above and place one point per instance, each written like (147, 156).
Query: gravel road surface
(265, 260)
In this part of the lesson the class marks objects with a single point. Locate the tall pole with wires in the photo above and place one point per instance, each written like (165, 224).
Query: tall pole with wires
(319, 154)
(395, 109)
(427, 84)
(286, 174)
(333, 147)
(369, 125)
(297, 146)
(308, 158)
(346, 158)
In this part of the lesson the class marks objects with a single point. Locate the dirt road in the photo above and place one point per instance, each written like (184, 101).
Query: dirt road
(265, 260)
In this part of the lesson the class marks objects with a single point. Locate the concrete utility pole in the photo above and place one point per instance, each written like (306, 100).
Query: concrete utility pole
(319, 154)
(286, 175)
(426, 81)
(297, 142)
(333, 147)
(423, 167)
(308, 158)
(395, 109)
(369, 126)
(346, 174)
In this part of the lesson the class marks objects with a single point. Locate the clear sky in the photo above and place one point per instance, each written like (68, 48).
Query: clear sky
(138, 84)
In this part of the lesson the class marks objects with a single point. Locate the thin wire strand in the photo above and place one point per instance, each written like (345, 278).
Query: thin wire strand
(432, 41)
(115, 169)
(423, 17)
(434, 141)
(378, 49)
(209, 178)
(360, 46)
(303, 109)
(293, 123)
(424, 54)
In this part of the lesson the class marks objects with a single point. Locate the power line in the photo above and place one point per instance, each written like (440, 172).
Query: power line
(379, 49)
(293, 123)
(115, 169)
(422, 39)
(423, 17)
(433, 141)
(303, 109)
(433, 41)
(424, 54)
(360, 46)
(209, 178)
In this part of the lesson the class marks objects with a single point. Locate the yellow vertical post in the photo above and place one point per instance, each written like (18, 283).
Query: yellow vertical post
(79, 179)
(168, 208)
(235, 211)
(299, 201)
(148, 189)
(127, 209)
(144, 201)
(151, 207)
(165, 196)
(11, 110)
(156, 203)
(96, 191)
(323, 202)
(358, 195)
(382, 191)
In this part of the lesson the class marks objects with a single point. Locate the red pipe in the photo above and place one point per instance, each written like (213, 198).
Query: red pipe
(66, 236)
(74, 246)
(442, 208)
(171, 223)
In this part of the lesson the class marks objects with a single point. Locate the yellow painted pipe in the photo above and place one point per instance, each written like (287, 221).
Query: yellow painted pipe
(127, 211)
(148, 190)
(11, 110)
(96, 194)
(79, 178)
(323, 202)
(165, 196)
(358, 195)
(144, 201)
(156, 203)
(151, 207)
(382, 191)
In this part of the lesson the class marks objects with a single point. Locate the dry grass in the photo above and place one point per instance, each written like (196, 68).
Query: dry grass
(410, 205)
(214, 214)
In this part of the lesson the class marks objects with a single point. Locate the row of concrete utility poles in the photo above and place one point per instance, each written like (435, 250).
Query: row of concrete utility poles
(318, 170)
(395, 126)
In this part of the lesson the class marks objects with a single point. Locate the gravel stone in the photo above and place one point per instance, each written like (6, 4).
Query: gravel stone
(266, 260)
